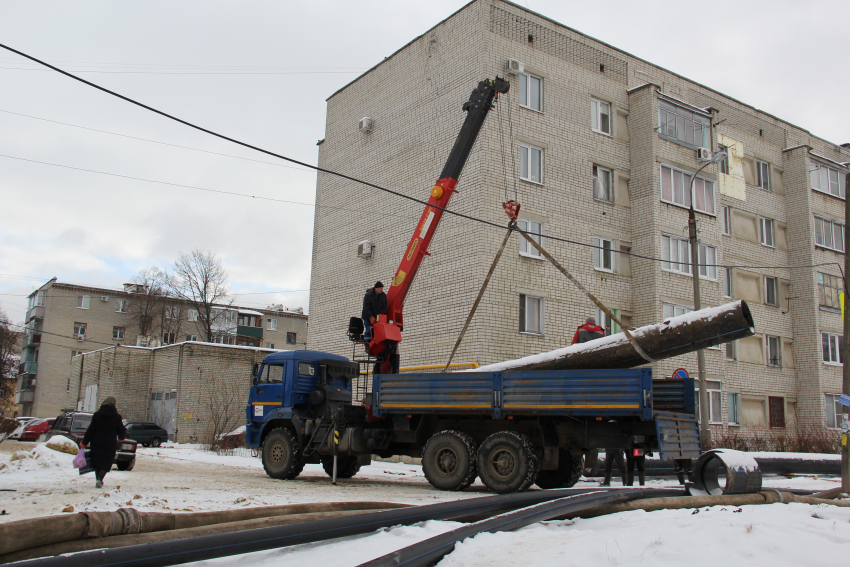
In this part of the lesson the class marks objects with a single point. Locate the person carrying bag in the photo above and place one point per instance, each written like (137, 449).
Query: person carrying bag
(103, 434)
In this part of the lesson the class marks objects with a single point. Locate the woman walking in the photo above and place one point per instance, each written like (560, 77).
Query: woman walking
(103, 434)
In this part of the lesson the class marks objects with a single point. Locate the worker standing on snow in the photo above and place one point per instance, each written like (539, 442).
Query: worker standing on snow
(105, 430)
(635, 457)
(588, 332)
(614, 456)
(374, 304)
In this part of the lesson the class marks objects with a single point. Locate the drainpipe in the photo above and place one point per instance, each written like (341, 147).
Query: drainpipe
(845, 441)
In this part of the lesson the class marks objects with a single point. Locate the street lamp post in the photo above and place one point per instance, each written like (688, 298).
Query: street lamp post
(704, 416)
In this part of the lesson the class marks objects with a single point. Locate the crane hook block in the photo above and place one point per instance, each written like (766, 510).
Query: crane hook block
(437, 192)
(511, 209)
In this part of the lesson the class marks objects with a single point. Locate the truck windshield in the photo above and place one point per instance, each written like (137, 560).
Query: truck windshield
(274, 373)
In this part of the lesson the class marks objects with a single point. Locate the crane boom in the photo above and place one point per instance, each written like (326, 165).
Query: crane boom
(386, 333)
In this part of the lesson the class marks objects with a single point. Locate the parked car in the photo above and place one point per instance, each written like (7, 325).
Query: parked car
(37, 429)
(148, 434)
(24, 421)
(73, 425)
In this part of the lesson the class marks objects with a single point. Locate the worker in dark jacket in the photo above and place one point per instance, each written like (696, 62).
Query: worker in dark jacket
(588, 332)
(613, 456)
(374, 304)
(105, 430)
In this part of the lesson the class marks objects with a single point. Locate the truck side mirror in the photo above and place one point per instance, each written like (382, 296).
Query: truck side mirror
(255, 370)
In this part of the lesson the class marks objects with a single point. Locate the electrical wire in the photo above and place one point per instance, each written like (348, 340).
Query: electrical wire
(342, 175)
(195, 72)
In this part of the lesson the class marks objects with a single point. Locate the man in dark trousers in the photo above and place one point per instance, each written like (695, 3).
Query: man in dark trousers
(374, 304)
(105, 430)
(588, 332)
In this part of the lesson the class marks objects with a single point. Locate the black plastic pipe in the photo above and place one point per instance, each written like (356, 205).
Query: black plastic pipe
(175, 552)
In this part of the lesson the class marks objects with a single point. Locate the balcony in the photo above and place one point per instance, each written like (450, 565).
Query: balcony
(36, 312)
(24, 396)
(35, 339)
(29, 367)
(255, 332)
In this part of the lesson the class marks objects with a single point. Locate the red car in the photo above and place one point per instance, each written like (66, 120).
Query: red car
(35, 428)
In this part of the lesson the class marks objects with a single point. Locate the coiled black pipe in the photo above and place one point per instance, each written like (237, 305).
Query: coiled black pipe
(175, 552)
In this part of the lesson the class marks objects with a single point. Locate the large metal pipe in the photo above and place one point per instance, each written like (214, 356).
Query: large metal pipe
(673, 337)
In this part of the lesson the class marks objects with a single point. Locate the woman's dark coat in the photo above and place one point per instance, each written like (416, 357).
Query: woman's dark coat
(102, 437)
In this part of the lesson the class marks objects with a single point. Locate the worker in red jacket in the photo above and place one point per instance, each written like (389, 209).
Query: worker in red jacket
(588, 332)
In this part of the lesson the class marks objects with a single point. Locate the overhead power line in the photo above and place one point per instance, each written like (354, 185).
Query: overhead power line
(354, 179)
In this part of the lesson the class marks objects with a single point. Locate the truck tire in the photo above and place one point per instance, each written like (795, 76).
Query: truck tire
(282, 455)
(346, 466)
(126, 465)
(565, 476)
(448, 460)
(507, 462)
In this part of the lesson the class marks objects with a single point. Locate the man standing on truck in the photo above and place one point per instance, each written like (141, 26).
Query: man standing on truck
(588, 332)
(374, 304)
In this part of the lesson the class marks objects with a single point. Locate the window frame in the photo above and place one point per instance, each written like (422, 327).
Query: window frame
(733, 400)
(688, 190)
(83, 301)
(291, 338)
(80, 329)
(674, 307)
(767, 342)
(832, 226)
(599, 254)
(171, 312)
(524, 314)
(726, 289)
(822, 292)
(118, 333)
(192, 315)
(731, 346)
(780, 402)
(725, 220)
(525, 90)
(596, 169)
(679, 262)
(815, 173)
(525, 249)
(763, 175)
(522, 156)
(271, 324)
(764, 223)
(191, 338)
(831, 401)
(596, 116)
(607, 323)
(704, 263)
(833, 340)
(714, 389)
(122, 305)
(775, 286)
(682, 115)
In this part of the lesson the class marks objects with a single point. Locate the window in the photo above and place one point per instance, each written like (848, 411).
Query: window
(535, 231)
(763, 174)
(727, 282)
(770, 296)
(606, 322)
(731, 351)
(68, 386)
(774, 355)
(829, 290)
(676, 189)
(269, 345)
(602, 188)
(75, 353)
(675, 254)
(704, 195)
(602, 254)
(171, 312)
(118, 333)
(723, 165)
(714, 397)
(827, 180)
(776, 411)
(271, 324)
(829, 234)
(832, 348)
(682, 126)
(833, 410)
(191, 338)
(35, 300)
(83, 301)
(707, 261)
(766, 231)
(531, 92)
(168, 338)
(121, 306)
(530, 163)
(726, 220)
(674, 310)
(531, 314)
(291, 339)
(600, 116)
(79, 329)
(275, 373)
(732, 410)
(192, 315)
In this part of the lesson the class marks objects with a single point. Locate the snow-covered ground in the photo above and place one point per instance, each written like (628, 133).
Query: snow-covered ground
(186, 478)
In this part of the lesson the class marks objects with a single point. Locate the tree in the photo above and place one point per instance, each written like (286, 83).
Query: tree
(9, 360)
(146, 306)
(200, 280)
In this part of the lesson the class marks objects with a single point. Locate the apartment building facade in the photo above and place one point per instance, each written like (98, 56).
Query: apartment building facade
(600, 148)
(64, 320)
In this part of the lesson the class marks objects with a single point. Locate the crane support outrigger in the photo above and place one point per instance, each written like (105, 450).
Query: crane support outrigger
(386, 332)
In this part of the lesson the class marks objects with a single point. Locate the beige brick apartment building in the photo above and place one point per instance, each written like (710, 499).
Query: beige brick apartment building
(600, 146)
(64, 320)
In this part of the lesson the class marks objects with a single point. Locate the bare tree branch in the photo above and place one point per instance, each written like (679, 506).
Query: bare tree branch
(200, 280)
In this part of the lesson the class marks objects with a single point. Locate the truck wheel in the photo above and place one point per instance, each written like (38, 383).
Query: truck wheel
(281, 455)
(126, 465)
(448, 460)
(346, 467)
(591, 464)
(507, 462)
(565, 476)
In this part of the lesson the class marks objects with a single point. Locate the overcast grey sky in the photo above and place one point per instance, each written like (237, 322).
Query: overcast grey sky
(260, 72)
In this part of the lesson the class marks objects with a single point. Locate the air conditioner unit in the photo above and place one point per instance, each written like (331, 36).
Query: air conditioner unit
(365, 124)
(514, 67)
(364, 249)
(104, 298)
(703, 154)
(80, 337)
